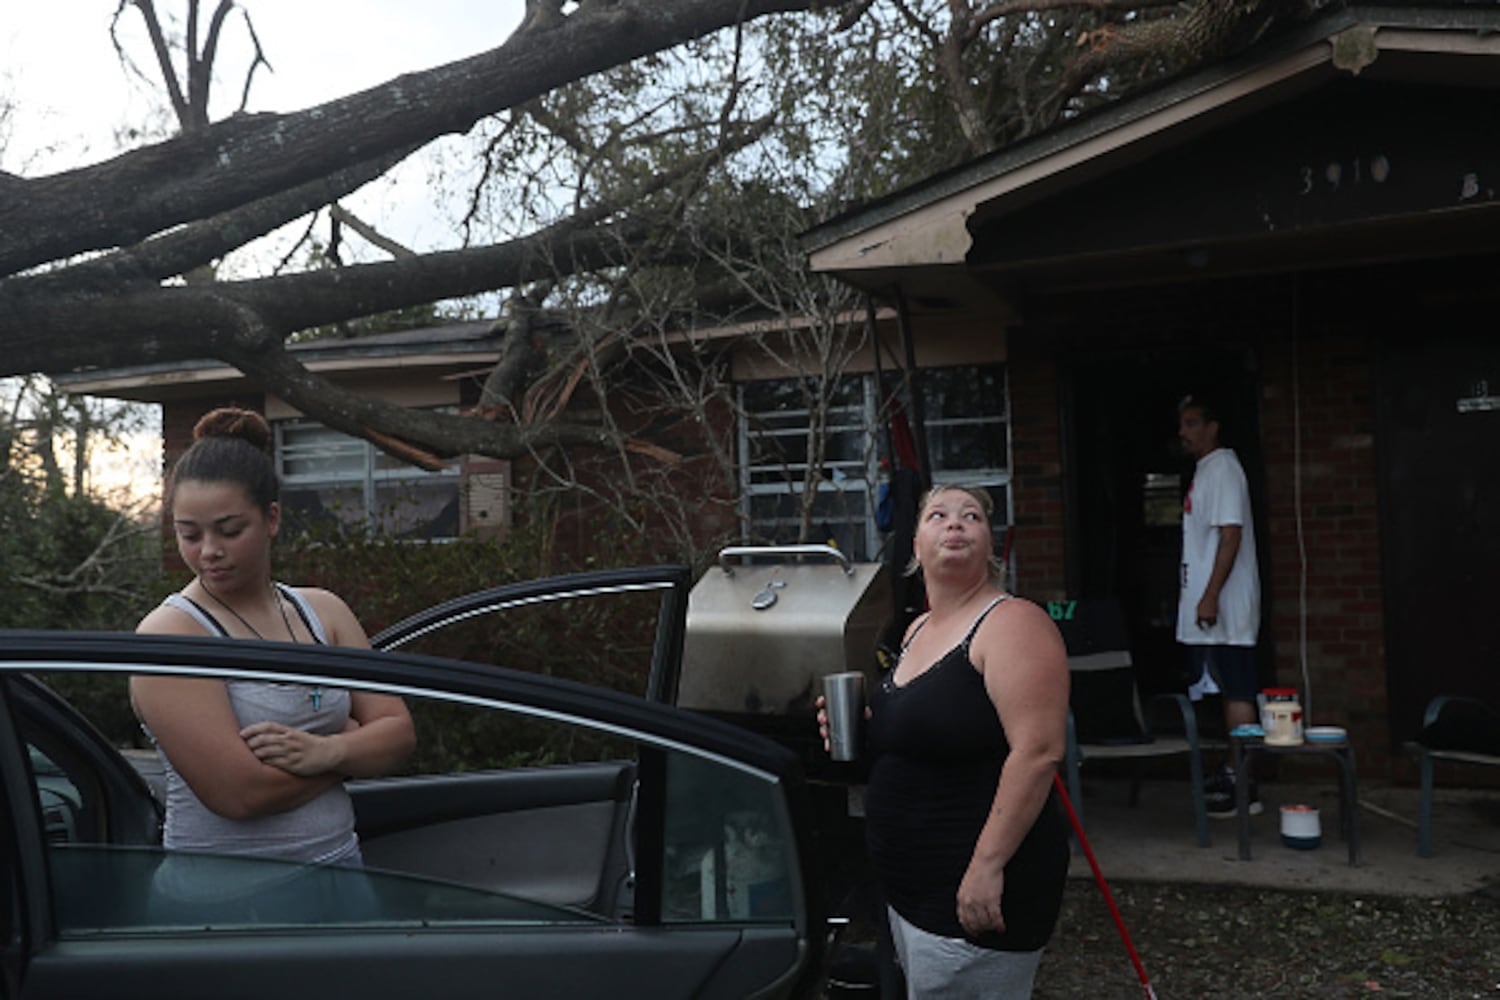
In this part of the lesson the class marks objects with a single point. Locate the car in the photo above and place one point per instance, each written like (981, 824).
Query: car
(630, 848)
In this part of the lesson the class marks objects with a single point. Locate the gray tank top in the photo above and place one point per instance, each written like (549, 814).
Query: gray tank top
(320, 831)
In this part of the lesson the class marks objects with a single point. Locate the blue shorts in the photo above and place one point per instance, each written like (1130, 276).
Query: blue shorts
(1231, 667)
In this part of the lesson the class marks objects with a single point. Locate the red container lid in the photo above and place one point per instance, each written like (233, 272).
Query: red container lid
(1280, 692)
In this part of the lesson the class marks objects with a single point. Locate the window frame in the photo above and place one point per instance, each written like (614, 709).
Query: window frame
(376, 470)
(755, 482)
(864, 480)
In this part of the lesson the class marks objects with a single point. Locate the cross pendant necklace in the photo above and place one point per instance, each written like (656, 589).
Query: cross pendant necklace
(316, 694)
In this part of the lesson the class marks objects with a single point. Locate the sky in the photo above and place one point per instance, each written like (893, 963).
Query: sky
(69, 95)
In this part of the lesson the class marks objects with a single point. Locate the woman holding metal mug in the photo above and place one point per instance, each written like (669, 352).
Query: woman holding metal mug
(966, 732)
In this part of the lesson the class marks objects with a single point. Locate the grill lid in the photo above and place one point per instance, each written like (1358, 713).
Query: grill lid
(761, 634)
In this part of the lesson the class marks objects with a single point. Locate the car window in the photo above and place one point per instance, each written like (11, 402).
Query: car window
(559, 639)
(62, 803)
(504, 819)
(69, 795)
(604, 629)
(101, 890)
(728, 852)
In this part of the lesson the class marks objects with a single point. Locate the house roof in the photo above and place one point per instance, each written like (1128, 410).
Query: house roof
(441, 351)
(931, 234)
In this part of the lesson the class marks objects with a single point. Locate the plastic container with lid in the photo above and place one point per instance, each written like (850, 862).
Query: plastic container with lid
(1281, 717)
(1300, 828)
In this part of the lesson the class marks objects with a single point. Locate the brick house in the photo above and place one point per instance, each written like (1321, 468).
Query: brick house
(328, 474)
(1308, 233)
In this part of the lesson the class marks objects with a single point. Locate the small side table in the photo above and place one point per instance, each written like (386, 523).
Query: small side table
(1244, 749)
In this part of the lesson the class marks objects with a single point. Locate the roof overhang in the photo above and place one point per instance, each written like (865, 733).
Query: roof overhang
(456, 351)
(440, 352)
(922, 239)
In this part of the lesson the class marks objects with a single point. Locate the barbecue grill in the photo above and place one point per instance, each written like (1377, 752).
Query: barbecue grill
(768, 622)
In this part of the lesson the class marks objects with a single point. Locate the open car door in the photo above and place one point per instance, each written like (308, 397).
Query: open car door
(621, 629)
(593, 844)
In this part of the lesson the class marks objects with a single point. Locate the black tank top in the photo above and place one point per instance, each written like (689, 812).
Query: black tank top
(938, 748)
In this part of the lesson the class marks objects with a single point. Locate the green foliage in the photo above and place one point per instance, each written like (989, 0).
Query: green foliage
(604, 642)
(72, 563)
(72, 560)
(453, 739)
(385, 580)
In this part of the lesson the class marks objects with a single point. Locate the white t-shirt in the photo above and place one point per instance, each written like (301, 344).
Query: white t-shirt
(1218, 496)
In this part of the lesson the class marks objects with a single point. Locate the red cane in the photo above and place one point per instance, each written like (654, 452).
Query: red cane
(1140, 970)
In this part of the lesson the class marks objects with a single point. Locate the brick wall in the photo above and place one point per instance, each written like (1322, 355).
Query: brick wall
(1334, 406)
(1037, 478)
(1336, 554)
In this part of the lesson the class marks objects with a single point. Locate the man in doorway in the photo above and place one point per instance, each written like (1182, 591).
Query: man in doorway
(1218, 611)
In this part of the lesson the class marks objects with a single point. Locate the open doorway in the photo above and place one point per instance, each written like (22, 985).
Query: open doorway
(1127, 476)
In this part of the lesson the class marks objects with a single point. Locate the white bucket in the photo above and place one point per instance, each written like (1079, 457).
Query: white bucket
(1300, 828)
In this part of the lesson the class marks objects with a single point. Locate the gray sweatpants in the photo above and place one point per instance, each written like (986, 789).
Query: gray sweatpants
(954, 969)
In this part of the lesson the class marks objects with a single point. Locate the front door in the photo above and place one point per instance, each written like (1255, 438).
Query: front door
(1127, 478)
(1440, 498)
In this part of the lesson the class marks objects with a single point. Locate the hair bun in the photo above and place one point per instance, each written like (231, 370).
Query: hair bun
(235, 422)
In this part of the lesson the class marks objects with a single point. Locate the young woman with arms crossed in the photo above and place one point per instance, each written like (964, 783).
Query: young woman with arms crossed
(256, 768)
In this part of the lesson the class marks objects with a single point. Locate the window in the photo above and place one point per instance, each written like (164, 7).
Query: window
(517, 836)
(966, 411)
(967, 414)
(968, 439)
(331, 478)
(779, 445)
(726, 854)
(559, 638)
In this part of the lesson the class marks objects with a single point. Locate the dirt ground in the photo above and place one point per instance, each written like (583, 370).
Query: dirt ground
(1201, 940)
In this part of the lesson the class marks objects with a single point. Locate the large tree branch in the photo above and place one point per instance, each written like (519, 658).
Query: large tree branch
(1205, 30)
(192, 246)
(180, 323)
(44, 314)
(232, 163)
(441, 434)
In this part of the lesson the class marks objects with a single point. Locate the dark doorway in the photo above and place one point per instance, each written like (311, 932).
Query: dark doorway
(1440, 503)
(1127, 477)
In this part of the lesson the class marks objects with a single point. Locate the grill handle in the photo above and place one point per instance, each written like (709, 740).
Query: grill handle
(744, 551)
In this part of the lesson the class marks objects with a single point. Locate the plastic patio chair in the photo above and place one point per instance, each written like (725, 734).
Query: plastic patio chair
(1107, 719)
(1454, 728)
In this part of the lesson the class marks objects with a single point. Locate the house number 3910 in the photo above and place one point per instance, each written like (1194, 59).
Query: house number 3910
(1336, 175)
